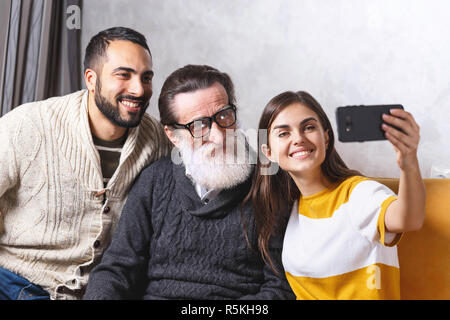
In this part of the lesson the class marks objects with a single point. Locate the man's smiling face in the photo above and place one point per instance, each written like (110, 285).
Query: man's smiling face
(124, 87)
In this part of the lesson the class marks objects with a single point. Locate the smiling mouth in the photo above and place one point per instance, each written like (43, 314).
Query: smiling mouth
(301, 154)
(130, 105)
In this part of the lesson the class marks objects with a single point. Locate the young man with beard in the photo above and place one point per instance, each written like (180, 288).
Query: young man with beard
(184, 233)
(67, 164)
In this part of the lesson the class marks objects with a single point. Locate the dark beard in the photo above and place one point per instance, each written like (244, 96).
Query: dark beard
(111, 112)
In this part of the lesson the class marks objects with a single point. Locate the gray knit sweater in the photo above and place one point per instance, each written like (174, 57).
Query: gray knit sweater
(168, 245)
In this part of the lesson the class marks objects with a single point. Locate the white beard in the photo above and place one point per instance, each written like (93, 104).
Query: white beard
(213, 168)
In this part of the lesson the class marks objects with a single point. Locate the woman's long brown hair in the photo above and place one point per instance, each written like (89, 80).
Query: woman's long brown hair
(273, 195)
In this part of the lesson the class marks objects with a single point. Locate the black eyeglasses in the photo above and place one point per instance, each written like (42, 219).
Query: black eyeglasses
(198, 128)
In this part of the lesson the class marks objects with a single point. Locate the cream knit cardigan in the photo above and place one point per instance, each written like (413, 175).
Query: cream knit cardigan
(56, 218)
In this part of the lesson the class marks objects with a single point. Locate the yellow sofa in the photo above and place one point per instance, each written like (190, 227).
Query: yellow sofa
(424, 255)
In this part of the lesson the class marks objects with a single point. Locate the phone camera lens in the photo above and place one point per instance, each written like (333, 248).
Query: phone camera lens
(348, 123)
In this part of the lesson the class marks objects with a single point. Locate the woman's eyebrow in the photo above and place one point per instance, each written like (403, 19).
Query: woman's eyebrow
(286, 126)
(307, 119)
(281, 126)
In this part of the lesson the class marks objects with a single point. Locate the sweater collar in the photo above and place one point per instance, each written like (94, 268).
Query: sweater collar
(204, 194)
(217, 207)
(79, 121)
(94, 156)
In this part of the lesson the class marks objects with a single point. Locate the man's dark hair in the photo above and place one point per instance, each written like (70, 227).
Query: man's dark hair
(188, 79)
(96, 49)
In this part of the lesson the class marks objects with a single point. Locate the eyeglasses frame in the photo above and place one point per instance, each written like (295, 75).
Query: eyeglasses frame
(210, 119)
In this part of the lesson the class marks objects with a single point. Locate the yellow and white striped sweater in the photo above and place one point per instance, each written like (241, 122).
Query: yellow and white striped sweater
(56, 216)
(336, 247)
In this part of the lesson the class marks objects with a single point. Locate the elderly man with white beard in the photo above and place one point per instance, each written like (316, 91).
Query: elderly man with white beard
(185, 232)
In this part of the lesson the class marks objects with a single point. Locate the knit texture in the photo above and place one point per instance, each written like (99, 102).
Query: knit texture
(51, 211)
(168, 245)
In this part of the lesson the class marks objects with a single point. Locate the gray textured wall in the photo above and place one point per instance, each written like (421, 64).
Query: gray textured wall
(343, 52)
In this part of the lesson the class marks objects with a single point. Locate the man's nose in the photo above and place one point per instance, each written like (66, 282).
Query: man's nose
(216, 134)
(136, 87)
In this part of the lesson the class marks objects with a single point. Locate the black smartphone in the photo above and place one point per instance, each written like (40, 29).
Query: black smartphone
(362, 123)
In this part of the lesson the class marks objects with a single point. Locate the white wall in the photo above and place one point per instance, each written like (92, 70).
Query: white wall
(343, 52)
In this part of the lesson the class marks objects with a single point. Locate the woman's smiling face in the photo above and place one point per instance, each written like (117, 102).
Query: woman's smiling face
(297, 140)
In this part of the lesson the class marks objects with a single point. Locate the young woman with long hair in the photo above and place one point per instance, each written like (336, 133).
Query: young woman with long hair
(340, 240)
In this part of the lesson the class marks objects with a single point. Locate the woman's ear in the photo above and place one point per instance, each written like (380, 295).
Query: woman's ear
(265, 149)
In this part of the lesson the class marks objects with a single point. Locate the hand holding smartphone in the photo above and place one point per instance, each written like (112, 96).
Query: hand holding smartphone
(385, 122)
(362, 123)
